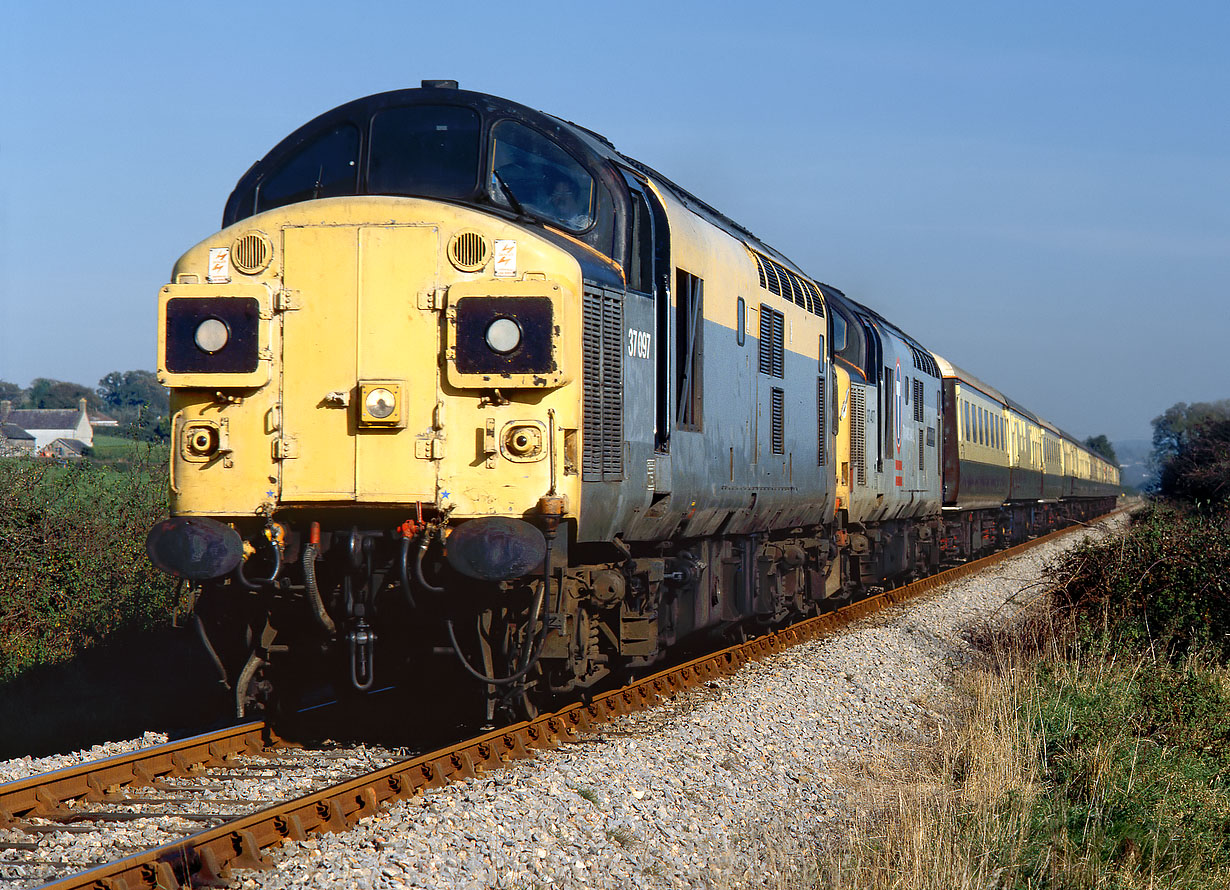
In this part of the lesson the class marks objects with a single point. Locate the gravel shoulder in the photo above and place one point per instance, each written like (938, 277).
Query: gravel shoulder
(726, 786)
(729, 785)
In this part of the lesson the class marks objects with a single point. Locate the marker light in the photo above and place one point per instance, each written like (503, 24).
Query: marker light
(503, 335)
(379, 403)
(211, 335)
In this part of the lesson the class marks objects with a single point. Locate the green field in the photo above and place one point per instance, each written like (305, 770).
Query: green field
(120, 451)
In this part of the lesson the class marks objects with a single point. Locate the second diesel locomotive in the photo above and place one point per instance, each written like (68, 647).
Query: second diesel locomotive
(457, 380)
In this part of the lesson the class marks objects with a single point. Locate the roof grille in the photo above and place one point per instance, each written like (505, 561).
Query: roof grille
(924, 362)
(777, 279)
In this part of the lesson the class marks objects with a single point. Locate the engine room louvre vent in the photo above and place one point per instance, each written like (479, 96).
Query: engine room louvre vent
(778, 420)
(858, 433)
(602, 435)
(251, 252)
(821, 426)
(469, 251)
(918, 400)
(772, 342)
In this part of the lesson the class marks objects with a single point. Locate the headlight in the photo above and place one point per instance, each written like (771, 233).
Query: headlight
(379, 403)
(503, 335)
(211, 335)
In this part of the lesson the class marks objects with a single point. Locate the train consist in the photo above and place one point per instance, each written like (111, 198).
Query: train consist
(458, 386)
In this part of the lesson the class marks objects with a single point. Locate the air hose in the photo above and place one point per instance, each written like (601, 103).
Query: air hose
(319, 612)
(258, 583)
(533, 642)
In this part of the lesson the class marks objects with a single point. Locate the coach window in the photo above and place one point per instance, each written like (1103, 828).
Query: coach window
(428, 150)
(325, 167)
(530, 173)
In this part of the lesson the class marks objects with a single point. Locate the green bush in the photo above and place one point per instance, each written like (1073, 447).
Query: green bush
(73, 568)
(1163, 587)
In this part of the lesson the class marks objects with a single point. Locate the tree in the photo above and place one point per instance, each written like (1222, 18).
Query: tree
(47, 393)
(1185, 440)
(1172, 428)
(11, 392)
(1102, 446)
(138, 401)
(1200, 472)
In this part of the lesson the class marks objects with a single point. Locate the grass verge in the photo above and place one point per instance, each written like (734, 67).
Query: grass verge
(1092, 745)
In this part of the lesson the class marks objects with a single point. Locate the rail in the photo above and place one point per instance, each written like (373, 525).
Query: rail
(207, 858)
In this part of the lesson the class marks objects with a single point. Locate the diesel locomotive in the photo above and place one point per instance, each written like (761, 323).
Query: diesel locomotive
(459, 386)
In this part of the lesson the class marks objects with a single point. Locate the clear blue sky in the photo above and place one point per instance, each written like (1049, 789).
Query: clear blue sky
(1039, 192)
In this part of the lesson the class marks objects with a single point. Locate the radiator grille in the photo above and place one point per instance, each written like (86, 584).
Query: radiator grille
(922, 456)
(858, 434)
(821, 429)
(777, 432)
(602, 403)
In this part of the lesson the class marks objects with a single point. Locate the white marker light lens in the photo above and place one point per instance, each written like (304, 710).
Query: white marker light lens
(503, 335)
(211, 335)
(379, 403)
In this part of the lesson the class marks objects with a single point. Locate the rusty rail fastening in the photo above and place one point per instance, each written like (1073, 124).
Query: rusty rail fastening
(208, 857)
(43, 795)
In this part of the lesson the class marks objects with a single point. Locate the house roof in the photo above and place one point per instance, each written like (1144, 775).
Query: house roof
(97, 418)
(13, 431)
(72, 445)
(45, 418)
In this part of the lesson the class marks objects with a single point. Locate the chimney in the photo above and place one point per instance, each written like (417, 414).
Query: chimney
(81, 407)
(5, 407)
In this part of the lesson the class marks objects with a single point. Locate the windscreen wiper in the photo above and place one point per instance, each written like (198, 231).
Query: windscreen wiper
(508, 193)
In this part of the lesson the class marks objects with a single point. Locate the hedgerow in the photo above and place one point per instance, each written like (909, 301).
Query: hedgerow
(73, 568)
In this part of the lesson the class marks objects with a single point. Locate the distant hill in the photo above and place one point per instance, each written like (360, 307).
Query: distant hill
(1133, 456)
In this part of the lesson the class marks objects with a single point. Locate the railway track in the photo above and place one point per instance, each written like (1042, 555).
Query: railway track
(223, 831)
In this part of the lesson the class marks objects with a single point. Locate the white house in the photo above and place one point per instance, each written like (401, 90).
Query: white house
(48, 424)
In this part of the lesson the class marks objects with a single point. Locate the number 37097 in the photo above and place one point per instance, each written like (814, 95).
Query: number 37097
(638, 343)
